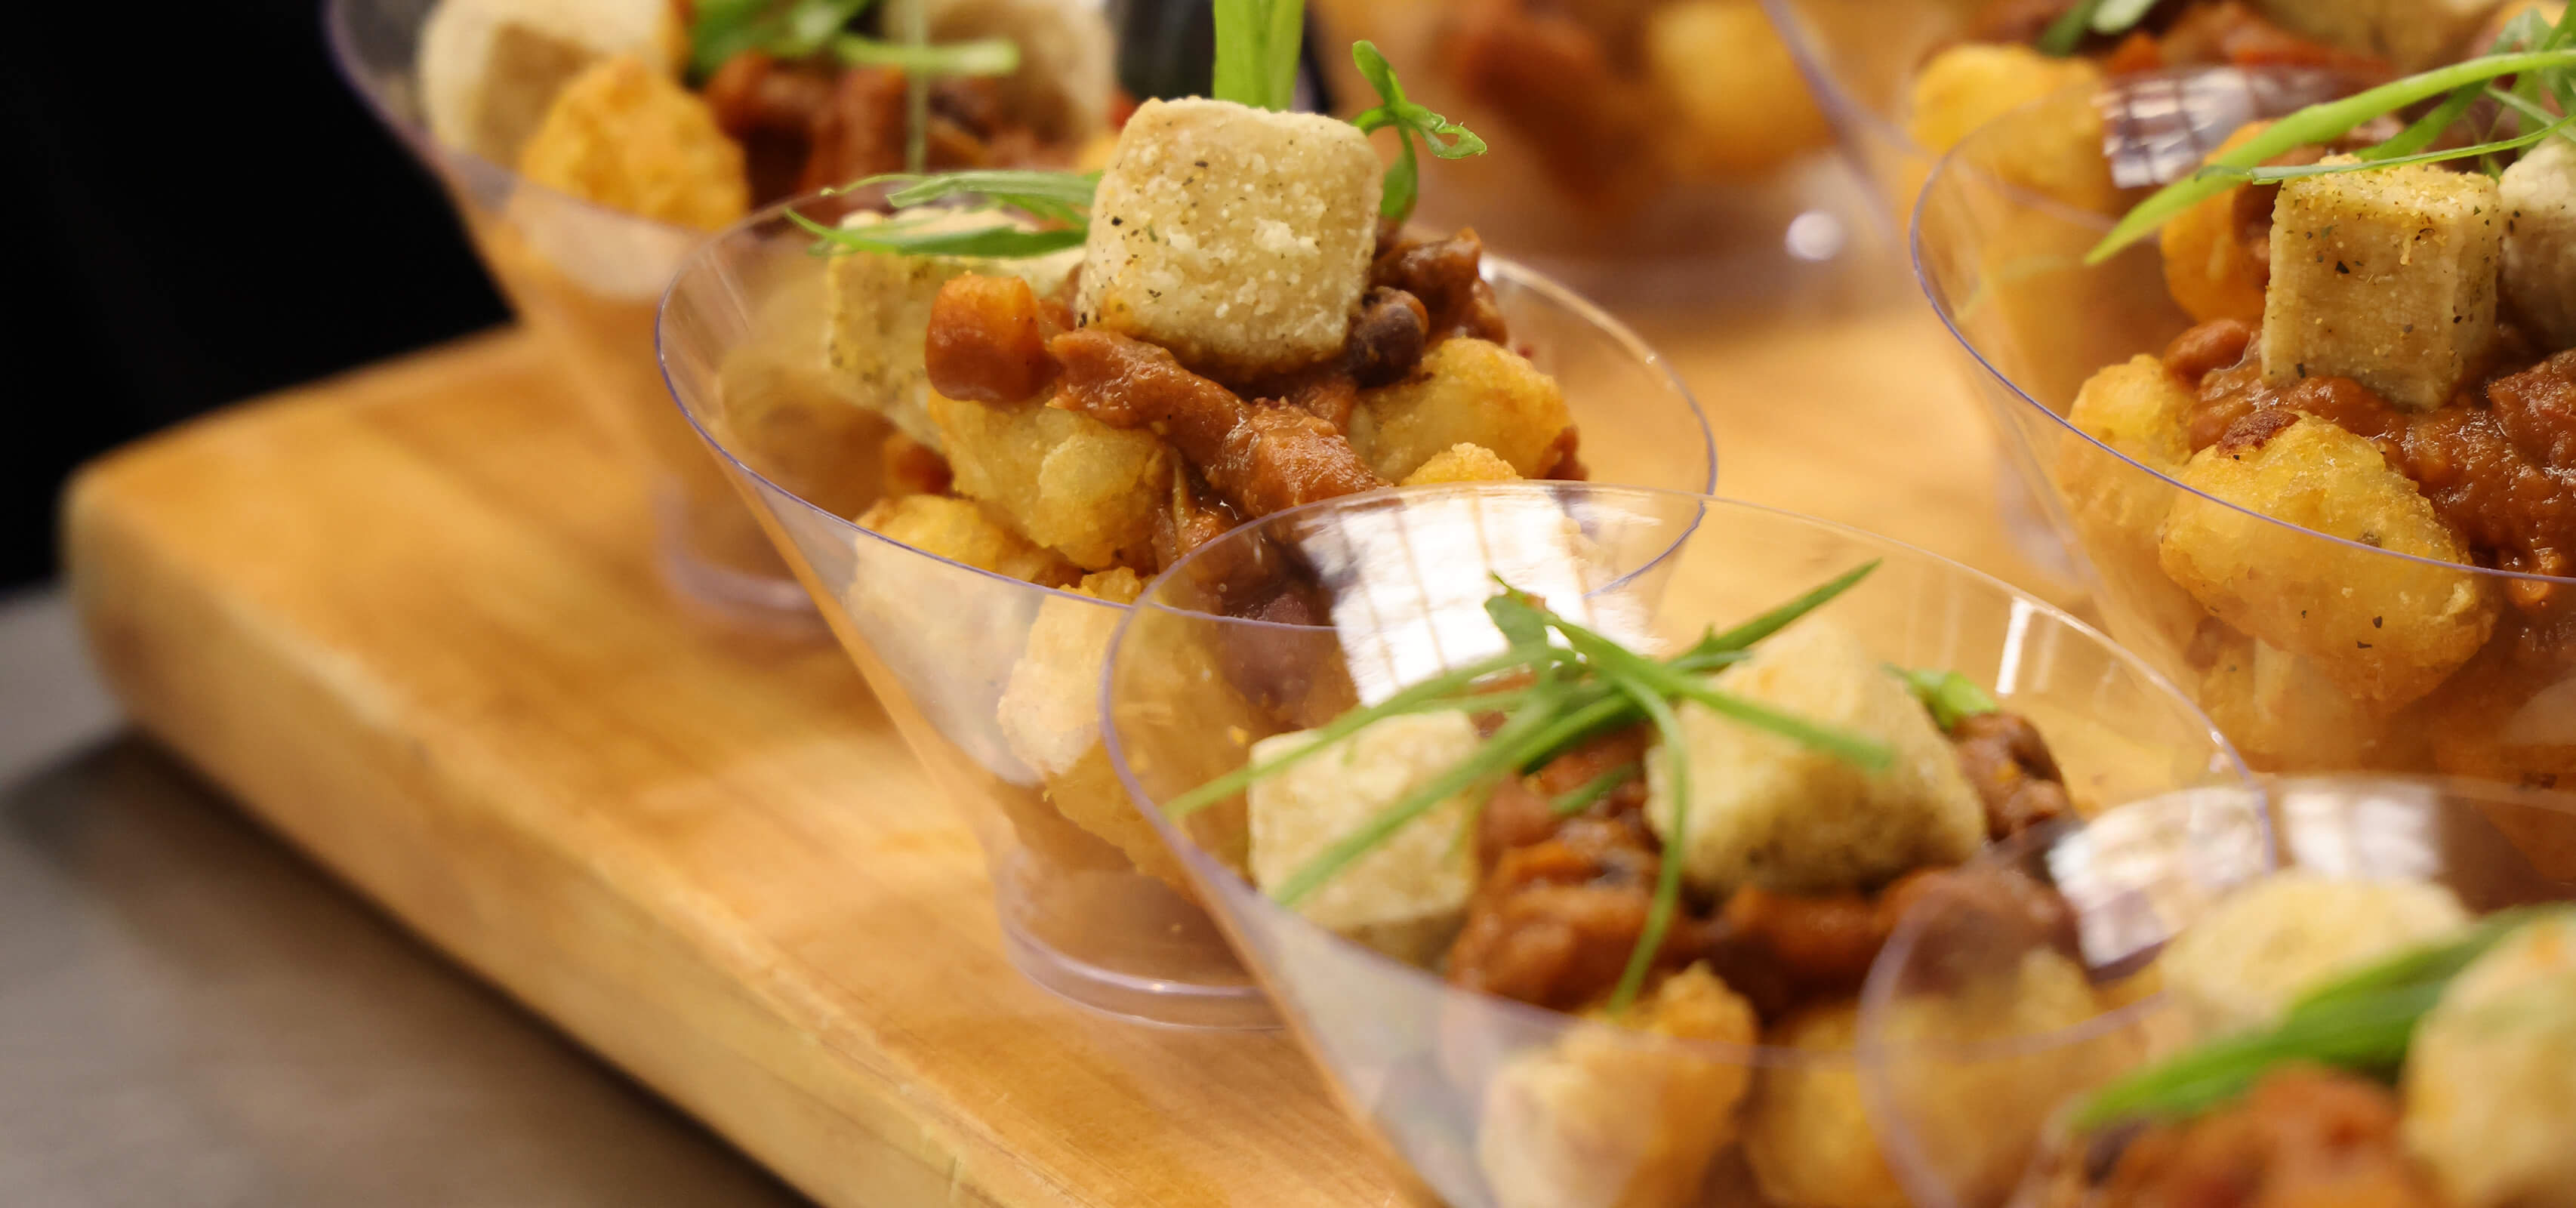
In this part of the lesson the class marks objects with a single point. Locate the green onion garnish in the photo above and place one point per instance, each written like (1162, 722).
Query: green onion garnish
(1257, 43)
(1404, 181)
(1949, 696)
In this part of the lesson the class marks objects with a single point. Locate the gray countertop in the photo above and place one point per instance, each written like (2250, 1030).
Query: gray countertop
(193, 1014)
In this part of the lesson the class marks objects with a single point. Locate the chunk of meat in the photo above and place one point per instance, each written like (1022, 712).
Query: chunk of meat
(1260, 459)
(860, 133)
(2012, 770)
(2305, 1137)
(1555, 921)
(1549, 78)
(1447, 277)
(771, 108)
(988, 340)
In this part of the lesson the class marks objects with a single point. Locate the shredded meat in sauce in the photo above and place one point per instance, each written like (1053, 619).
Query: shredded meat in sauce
(2304, 1137)
(2223, 34)
(807, 126)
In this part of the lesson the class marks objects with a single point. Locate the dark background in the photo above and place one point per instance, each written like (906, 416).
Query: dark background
(198, 210)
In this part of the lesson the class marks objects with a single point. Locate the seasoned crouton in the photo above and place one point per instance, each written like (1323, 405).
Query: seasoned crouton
(2386, 277)
(1461, 463)
(626, 136)
(2491, 1077)
(1408, 895)
(2411, 34)
(2266, 944)
(1062, 88)
(879, 314)
(2387, 630)
(1237, 238)
(1806, 1134)
(1062, 479)
(2284, 715)
(2539, 197)
(1777, 814)
(1464, 392)
(1605, 1119)
(2209, 269)
(960, 531)
(1751, 117)
(489, 69)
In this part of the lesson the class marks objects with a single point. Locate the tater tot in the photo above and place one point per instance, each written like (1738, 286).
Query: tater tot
(631, 138)
(1754, 115)
(2210, 271)
(1806, 1134)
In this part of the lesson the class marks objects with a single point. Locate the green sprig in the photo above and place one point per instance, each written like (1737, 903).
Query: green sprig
(1445, 138)
(1257, 44)
(984, 57)
(721, 29)
(1949, 696)
(922, 237)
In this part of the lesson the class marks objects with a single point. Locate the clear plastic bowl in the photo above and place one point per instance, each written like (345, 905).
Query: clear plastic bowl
(2143, 878)
(1860, 57)
(1751, 225)
(1458, 1083)
(942, 643)
(2004, 268)
(588, 278)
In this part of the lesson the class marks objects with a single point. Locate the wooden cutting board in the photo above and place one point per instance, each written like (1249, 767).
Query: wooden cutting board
(406, 616)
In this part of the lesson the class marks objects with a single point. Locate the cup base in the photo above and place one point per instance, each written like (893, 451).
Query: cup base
(770, 604)
(1149, 954)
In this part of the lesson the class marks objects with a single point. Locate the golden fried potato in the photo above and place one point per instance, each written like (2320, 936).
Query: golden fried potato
(628, 137)
(1607, 1120)
(1806, 1134)
(960, 531)
(2058, 154)
(2118, 509)
(1754, 115)
(2386, 630)
(1465, 392)
(2284, 715)
(2208, 268)
(1461, 463)
(2498, 721)
(1063, 479)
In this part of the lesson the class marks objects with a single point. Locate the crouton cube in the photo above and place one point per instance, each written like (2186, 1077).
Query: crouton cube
(2387, 277)
(1067, 66)
(2387, 630)
(2491, 1077)
(879, 314)
(1408, 895)
(2241, 966)
(1752, 117)
(2210, 270)
(960, 531)
(1601, 1119)
(2411, 34)
(2539, 197)
(1462, 463)
(1778, 814)
(1465, 391)
(489, 69)
(1061, 478)
(626, 136)
(1238, 238)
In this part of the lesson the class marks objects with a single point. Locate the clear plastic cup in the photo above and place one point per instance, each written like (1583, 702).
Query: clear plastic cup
(982, 672)
(2376, 679)
(587, 278)
(2134, 879)
(1860, 57)
(1487, 1100)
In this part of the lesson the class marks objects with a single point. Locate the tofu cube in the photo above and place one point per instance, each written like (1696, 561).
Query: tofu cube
(1237, 238)
(2491, 1079)
(1771, 812)
(1408, 895)
(1472, 392)
(2411, 34)
(2241, 966)
(879, 314)
(1061, 478)
(2387, 277)
(489, 69)
(2539, 196)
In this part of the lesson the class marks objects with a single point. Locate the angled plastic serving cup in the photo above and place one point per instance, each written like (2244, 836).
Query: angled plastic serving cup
(1860, 57)
(1481, 1097)
(2004, 269)
(2145, 874)
(588, 279)
(990, 679)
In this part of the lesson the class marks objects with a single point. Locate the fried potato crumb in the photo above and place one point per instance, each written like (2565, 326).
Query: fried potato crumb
(1462, 463)
(628, 137)
(958, 530)
(1061, 478)
(1806, 1134)
(1465, 392)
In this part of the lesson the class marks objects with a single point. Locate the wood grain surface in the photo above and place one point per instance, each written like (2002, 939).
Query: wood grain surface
(407, 617)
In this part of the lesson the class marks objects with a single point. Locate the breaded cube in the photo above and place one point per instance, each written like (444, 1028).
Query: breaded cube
(2275, 939)
(2139, 408)
(1608, 1119)
(2141, 411)
(1461, 463)
(1465, 392)
(2387, 630)
(960, 531)
(2491, 1078)
(1408, 895)
(629, 137)
(2284, 715)
(2539, 278)
(2209, 270)
(1775, 813)
(1235, 237)
(1755, 115)
(489, 69)
(1063, 479)
(1806, 1133)
(1050, 711)
(2411, 34)
(1066, 77)
(2387, 277)
(2058, 154)
(880, 305)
